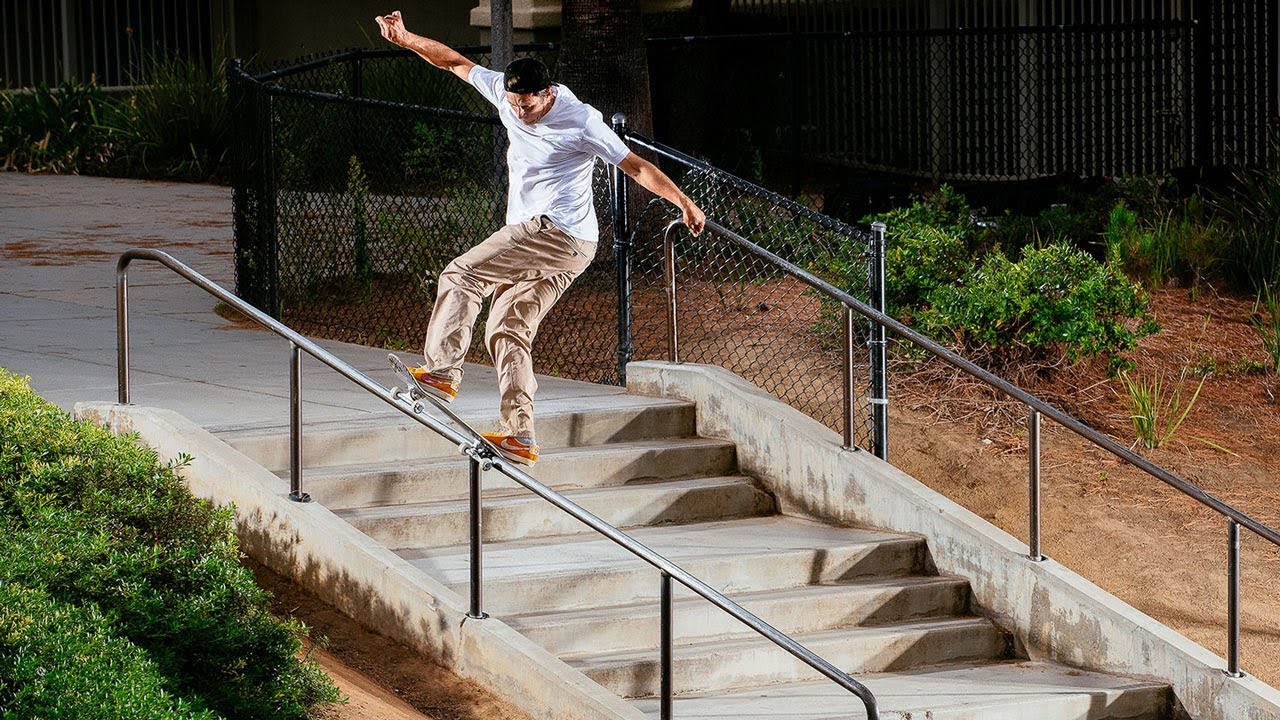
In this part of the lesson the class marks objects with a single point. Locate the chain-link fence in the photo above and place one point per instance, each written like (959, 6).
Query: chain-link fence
(361, 175)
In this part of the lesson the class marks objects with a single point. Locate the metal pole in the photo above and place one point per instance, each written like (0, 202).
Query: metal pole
(622, 257)
(850, 394)
(666, 694)
(477, 549)
(122, 336)
(1233, 599)
(880, 392)
(295, 425)
(1033, 461)
(673, 338)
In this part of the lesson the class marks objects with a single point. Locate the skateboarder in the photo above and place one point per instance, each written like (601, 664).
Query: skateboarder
(549, 239)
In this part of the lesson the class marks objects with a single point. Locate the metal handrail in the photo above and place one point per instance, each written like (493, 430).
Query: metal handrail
(669, 570)
(1036, 408)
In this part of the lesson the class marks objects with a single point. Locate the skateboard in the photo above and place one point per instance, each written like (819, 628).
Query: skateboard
(416, 395)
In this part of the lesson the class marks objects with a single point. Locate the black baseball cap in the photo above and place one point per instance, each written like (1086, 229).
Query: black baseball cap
(526, 75)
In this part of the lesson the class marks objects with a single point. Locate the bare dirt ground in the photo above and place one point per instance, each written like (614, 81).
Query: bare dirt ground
(380, 678)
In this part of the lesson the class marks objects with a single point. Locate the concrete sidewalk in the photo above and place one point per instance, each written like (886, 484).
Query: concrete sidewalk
(60, 239)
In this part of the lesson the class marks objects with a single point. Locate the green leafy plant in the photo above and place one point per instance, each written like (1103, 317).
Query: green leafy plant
(1266, 320)
(1156, 408)
(927, 248)
(1055, 299)
(176, 123)
(1250, 212)
(54, 129)
(96, 530)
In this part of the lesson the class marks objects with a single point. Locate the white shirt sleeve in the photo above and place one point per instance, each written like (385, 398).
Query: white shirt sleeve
(601, 140)
(489, 83)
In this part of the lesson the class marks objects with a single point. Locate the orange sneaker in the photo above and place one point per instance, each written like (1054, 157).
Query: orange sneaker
(515, 449)
(438, 385)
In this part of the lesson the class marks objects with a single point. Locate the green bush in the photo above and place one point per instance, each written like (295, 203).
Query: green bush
(95, 523)
(1055, 299)
(927, 248)
(1183, 245)
(60, 661)
(1250, 212)
(176, 124)
(54, 130)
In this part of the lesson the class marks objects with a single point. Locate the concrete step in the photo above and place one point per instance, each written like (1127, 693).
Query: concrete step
(735, 556)
(808, 609)
(1000, 691)
(750, 662)
(413, 481)
(512, 515)
(393, 436)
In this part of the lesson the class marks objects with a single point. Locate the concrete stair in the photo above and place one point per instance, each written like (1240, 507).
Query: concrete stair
(868, 601)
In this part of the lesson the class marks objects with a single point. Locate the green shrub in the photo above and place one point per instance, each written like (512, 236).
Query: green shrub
(176, 124)
(1055, 299)
(927, 248)
(1183, 245)
(60, 661)
(97, 523)
(1250, 212)
(54, 130)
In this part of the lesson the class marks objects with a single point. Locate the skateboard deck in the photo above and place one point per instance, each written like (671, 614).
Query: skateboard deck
(480, 448)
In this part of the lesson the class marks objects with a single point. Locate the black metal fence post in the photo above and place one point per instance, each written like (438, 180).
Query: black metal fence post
(622, 258)
(476, 611)
(879, 372)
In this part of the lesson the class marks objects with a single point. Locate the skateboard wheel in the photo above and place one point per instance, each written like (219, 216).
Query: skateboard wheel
(487, 466)
(464, 449)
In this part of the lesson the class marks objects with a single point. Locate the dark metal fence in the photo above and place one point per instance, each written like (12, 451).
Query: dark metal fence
(114, 43)
(358, 176)
(979, 90)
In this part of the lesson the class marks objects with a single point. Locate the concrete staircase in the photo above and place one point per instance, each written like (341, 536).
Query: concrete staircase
(868, 601)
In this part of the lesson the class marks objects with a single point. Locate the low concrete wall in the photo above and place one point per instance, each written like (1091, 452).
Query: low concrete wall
(1055, 613)
(307, 542)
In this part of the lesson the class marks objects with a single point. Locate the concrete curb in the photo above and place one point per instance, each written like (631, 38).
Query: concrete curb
(1055, 613)
(307, 542)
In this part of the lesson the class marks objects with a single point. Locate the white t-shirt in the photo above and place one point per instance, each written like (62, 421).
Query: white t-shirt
(550, 163)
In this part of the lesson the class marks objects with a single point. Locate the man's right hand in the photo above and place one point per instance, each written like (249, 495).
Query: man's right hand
(392, 27)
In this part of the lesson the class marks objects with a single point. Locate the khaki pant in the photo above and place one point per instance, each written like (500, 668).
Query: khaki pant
(527, 267)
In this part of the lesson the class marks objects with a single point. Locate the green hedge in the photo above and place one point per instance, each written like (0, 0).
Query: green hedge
(121, 594)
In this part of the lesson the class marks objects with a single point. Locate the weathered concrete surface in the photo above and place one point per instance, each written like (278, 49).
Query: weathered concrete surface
(307, 542)
(1055, 613)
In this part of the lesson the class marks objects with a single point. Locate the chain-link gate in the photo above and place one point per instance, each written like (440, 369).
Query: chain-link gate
(361, 175)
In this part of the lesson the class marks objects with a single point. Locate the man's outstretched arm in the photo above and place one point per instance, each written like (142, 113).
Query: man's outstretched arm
(438, 54)
(657, 182)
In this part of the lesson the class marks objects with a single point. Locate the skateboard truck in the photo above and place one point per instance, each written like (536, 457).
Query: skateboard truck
(478, 448)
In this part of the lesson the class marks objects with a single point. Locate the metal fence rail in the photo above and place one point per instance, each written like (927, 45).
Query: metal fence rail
(113, 42)
(976, 91)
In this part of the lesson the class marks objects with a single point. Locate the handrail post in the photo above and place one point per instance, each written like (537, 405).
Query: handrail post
(666, 643)
(879, 382)
(850, 393)
(477, 549)
(669, 254)
(295, 425)
(622, 258)
(122, 332)
(1233, 599)
(1033, 464)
